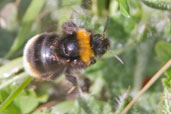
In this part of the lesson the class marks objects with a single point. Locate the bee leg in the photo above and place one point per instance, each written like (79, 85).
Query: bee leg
(73, 80)
(51, 77)
(71, 90)
(69, 28)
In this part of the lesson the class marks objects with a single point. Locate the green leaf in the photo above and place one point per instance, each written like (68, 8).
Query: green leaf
(63, 107)
(158, 4)
(11, 68)
(163, 51)
(87, 104)
(124, 8)
(13, 79)
(116, 29)
(31, 101)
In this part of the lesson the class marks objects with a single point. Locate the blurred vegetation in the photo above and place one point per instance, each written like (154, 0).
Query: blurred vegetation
(139, 32)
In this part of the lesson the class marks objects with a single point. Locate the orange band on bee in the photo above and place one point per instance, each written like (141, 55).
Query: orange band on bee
(85, 50)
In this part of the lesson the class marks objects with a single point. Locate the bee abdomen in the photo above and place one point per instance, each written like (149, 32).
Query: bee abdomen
(40, 55)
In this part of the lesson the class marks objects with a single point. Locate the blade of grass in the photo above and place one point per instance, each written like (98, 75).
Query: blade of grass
(15, 93)
(124, 8)
(31, 14)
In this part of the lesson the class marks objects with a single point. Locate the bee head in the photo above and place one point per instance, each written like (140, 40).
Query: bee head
(99, 44)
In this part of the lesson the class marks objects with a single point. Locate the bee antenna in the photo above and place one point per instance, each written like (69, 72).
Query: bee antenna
(117, 57)
(107, 21)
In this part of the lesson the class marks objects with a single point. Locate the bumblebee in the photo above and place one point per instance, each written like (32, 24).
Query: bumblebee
(50, 54)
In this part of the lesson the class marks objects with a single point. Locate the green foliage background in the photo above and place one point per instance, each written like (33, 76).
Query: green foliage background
(139, 32)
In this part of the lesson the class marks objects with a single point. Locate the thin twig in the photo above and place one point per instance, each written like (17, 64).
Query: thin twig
(153, 79)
